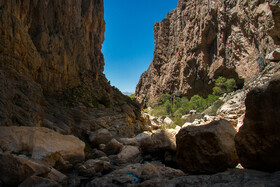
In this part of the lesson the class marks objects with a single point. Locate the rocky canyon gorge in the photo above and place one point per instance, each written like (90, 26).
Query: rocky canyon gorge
(63, 124)
(201, 40)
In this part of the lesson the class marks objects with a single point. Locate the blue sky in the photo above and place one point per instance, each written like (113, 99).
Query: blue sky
(129, 38)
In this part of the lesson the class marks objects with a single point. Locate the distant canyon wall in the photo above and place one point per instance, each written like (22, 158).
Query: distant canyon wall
(201, 40)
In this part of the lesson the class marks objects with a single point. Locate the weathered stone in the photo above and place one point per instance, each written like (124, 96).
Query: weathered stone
(201, 40)
(232, 177)
(113, 147)
(159, 142)
(97, 154)
(41, 143)
(274, 55)
(257, 142)
(58, 177)
(16, 169)
(35, 181)
(127, 153)
(136, 141)
(101, 136)
(207, 148)
(168, 121)
(93, 167)
(136, 173)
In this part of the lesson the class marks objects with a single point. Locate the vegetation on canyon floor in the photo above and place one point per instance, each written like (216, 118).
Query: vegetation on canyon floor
(176, 107)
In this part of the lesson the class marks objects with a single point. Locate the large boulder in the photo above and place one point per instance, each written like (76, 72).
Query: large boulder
(101, 136)
(113, 147)
(161, 141)
(258, 140)
(41, 143)
(14, 169)
(128, 153)
(206, 149)
(93, 167)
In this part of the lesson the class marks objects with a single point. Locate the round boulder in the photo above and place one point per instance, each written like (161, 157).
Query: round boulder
(206, 149)
(101, 136)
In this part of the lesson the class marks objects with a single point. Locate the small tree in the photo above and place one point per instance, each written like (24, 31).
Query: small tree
(132, 96)
(165, 97)
(223, 85)
(230, 85)
(168, 107)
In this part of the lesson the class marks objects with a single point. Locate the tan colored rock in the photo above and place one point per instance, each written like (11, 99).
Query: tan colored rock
(136, 141)
(113, 147)
(57, 177)
(101, 136)
(257, 142)
(162, 141)
(93, 167)
(127, 153)
(15, 170)
(206, 149)
(41, 142)
(201, 40)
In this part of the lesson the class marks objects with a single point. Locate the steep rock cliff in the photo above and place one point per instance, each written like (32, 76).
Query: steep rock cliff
(201, 40)
(51, 69)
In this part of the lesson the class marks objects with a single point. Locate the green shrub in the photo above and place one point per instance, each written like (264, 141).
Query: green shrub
(211, 99)
(230, 85)
(165, 97)
(158, 111)
(178, 122)
(168, 107)
(132, 96)
(223, 85)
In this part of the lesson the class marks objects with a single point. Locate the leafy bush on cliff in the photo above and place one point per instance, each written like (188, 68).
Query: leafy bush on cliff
(223, 85)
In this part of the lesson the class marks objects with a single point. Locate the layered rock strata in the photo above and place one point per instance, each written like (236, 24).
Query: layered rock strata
(51, 69)
(201, 40)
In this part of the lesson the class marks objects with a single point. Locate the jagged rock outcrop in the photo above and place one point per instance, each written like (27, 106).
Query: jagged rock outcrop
(51, 69)
(258, 142)
(201, 40)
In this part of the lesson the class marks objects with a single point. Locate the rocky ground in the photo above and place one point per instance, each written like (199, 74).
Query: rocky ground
(62, 124)
(195, 155)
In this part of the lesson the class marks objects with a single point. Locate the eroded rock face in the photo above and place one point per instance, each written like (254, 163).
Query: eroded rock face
(51, 69)
(53, 41)
(201, 40)
(257, 142)
(206, 149)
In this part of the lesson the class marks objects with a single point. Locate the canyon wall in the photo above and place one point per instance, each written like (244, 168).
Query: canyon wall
(202, 40)
(51, 68)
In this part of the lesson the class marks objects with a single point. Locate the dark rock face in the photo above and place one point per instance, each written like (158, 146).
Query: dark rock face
(15, 169)
(53, 41)
(258, 140)
(51, 69)
(198, 41)
(207, 148)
